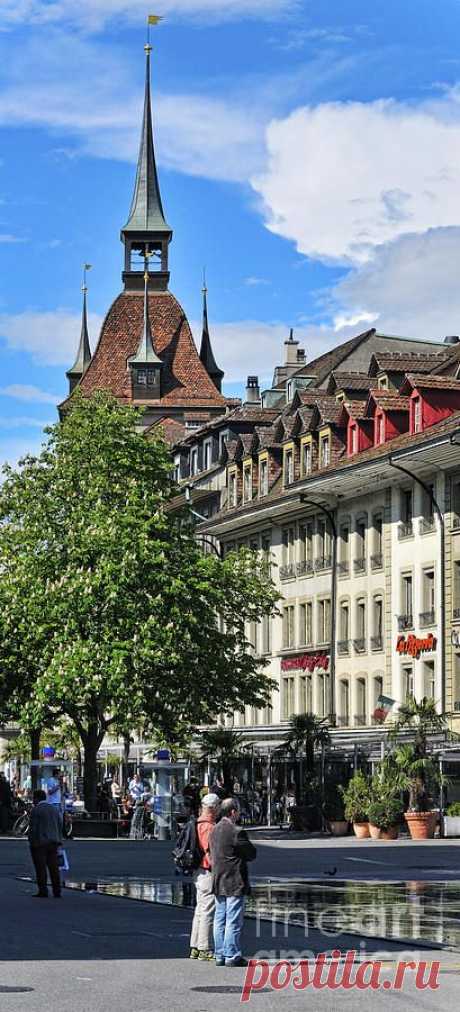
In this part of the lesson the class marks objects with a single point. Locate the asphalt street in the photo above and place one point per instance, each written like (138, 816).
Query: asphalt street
(93, 953)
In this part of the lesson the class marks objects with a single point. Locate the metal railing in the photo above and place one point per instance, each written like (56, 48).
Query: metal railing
(304, 568)
(359, 645)
(343, 647)
(343, 720)
(405, 530)
(405, 622)
(360, 720)
(427, 525)
(376, 642)
(324, 562)
(288, 572)
(426, 618)
(359, 565)
(456, 524)
(343, 568)
(377, 561)
(456, 613)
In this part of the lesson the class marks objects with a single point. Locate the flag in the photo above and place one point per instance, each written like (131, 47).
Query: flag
(154, 19)
(383, 706)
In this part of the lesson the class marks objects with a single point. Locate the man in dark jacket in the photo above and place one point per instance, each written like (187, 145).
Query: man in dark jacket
(230, 850)
(45, 836)
(6, 800)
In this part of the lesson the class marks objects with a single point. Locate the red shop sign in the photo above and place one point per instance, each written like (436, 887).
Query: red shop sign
(306, 662)
(413, 646)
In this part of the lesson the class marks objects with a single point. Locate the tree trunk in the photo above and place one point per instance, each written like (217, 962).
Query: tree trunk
(126, 748)
(91, 741)
(34, 754)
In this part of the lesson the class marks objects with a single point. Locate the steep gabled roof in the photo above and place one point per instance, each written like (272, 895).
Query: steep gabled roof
(421, 381)
(405, 362)
(388, 400)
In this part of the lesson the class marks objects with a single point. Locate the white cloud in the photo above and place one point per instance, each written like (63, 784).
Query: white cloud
(92, 15)
(50, 337)
(254, 282)
(5, 237)
(342, 178)
(22, 422)
(29, 393)
(409, 288)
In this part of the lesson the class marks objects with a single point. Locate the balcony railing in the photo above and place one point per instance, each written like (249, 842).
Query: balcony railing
(343, 568)
(324, 562)
(343, 720)
(377, 561)
(359, 645)
(287, 572)
(426, 618)
(456, 524)
(359, 565)
(456, 614)
(457, 705)
(405, 530)
(427, 525)
(376, 642)
(304, 568)
(343, 647)
(360, 720)
(405, 622)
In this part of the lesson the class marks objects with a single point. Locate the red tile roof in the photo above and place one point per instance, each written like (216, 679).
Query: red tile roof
(185, 382)
(389, 400)
(421, 381)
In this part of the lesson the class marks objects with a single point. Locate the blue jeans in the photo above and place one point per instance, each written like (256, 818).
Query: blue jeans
(228, 925)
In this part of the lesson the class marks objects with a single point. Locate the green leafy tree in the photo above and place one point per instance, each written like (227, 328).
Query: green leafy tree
(115, 613)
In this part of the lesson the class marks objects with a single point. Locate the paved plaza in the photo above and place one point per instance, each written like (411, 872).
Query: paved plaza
(108, 954)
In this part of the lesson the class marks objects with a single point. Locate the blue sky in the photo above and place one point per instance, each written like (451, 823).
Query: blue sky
(309, 154)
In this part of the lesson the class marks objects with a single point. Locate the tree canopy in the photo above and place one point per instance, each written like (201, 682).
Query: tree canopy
(110, 612)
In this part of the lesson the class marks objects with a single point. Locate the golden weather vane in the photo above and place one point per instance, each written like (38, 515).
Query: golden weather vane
(152, 19)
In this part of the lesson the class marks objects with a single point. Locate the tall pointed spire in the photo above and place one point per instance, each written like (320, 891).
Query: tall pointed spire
(83, 358)
(146, 214)
(206, 352)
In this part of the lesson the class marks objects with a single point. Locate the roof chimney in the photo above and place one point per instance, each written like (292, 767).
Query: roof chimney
(291, 349)
(252, 392)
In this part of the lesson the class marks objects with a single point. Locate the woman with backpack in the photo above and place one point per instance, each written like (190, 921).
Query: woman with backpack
(201, 939)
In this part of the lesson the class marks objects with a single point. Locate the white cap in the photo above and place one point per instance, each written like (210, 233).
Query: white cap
(210, 801)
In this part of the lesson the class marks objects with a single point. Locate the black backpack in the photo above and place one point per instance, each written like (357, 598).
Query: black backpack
(187, 854)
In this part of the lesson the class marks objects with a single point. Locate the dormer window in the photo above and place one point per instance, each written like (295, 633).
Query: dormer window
(207, 454)
(306, 458)
(232, 489)
(151, 377)
(141, 377)
(325, 451)
(263, 477)
(194, 461)
(417, 414)
(247, 483)
(383, 382)
(288, 467)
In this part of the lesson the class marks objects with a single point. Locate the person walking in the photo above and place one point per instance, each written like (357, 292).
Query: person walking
(201, 946)
(230, 850)
(45, 836)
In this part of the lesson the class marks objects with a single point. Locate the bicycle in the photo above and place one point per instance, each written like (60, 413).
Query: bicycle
(21, 826)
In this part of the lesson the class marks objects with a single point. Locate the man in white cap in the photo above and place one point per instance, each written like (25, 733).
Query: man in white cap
(201, 939)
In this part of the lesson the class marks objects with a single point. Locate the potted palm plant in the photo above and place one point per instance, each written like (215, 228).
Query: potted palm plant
(356, 797)
(385, 806)
(418, 770)
(307, 735)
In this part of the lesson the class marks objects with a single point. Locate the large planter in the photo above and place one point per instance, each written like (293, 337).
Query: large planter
(361, 830)
(421, 824)
(338, 827)
(389, 834)
(374, 832)
(452, 825)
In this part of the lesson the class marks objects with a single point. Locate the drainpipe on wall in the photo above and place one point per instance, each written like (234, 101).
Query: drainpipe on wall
(442, 540)
(330, 516)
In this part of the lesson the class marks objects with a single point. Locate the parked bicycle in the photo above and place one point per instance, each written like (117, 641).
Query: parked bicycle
(21, 826)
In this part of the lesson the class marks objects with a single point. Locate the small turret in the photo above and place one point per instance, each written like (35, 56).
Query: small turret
(83, 358)
(206, 352)
(145, 365)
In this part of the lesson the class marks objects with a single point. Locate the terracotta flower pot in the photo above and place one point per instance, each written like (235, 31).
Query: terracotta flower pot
(421, 824)
(375, 832)
(389, 834)
(361, 830)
